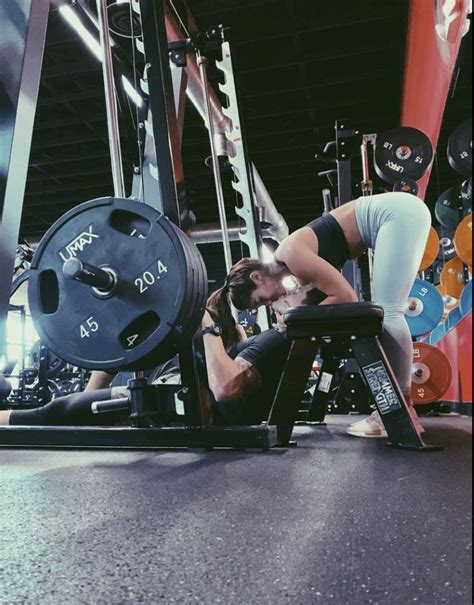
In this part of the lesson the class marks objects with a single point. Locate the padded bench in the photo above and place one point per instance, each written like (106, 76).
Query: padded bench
(348, 319)
(345, 331)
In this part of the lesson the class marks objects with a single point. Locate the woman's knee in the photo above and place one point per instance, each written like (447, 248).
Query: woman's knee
(55, 412)
(394, 312)
(5, 417)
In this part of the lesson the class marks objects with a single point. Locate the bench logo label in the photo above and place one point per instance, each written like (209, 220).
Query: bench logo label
(382, 387)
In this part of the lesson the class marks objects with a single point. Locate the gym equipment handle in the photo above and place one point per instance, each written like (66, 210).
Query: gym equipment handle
(88, 274)
(110, 405)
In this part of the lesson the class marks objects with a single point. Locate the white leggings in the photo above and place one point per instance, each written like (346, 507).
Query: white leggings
(396, 226)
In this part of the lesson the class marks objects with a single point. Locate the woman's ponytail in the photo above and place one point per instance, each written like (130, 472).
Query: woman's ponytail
(221, 312)
(238, 288)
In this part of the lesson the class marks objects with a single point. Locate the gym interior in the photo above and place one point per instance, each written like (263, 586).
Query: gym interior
(150, 455)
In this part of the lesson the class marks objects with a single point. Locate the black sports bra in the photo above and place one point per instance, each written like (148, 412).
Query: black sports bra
(333, 248)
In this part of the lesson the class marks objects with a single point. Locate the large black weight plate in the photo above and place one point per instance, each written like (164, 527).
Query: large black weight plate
(403, 153)
(198, 281)
(460, 148)
(453, 205)
(157, 305)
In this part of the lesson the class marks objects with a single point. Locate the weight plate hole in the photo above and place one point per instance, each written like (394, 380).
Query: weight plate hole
(139, 330)
(49, 292)
(130, 223)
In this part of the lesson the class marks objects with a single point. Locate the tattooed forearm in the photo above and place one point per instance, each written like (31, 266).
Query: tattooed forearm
(250, 379)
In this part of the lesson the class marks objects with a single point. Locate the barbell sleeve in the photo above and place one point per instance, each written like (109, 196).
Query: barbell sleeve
(88, 274)
(110, 405)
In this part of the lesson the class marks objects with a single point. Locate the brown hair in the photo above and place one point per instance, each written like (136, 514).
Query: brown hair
(238, 288)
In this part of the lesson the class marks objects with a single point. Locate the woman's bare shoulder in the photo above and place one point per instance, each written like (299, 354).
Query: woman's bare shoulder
(304, 237)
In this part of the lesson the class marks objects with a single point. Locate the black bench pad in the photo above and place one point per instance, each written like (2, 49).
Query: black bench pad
(348, 319)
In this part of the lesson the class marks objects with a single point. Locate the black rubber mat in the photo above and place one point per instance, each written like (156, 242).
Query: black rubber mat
(336, 520)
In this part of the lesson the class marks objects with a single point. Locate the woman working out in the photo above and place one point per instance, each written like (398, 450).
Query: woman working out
(394, 225)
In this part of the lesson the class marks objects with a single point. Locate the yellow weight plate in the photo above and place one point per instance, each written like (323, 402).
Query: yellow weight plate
(450, 302)
(431, 250)
(463, 240)
(452, 277)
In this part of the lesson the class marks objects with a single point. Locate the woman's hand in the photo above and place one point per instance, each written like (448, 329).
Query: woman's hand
(280, 325)
(291, 299)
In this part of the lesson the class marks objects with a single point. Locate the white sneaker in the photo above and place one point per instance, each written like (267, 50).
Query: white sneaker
(371, 427)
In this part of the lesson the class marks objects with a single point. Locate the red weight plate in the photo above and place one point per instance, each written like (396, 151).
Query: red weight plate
(432, 374)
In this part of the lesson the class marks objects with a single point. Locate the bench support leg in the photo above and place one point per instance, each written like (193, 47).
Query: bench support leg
(387, 395)
(327, 375)
(291, 388)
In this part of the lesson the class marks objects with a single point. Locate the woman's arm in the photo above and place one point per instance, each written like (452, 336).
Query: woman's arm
(241, 331)
(99, 380)
(229, 379)
(304, 263)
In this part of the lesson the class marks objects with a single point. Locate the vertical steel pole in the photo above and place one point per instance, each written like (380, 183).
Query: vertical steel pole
(110, 100)
(161, 104)
(202, 63)
(22, 39)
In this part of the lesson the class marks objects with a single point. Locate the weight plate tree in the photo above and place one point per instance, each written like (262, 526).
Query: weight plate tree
(437, 334)
(115, 285)
(453, 318)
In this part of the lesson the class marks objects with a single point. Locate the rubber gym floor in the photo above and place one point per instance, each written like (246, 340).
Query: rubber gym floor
(335, 520)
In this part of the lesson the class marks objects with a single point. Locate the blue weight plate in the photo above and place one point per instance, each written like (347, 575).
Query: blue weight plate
(424, 308)
(466, 299)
